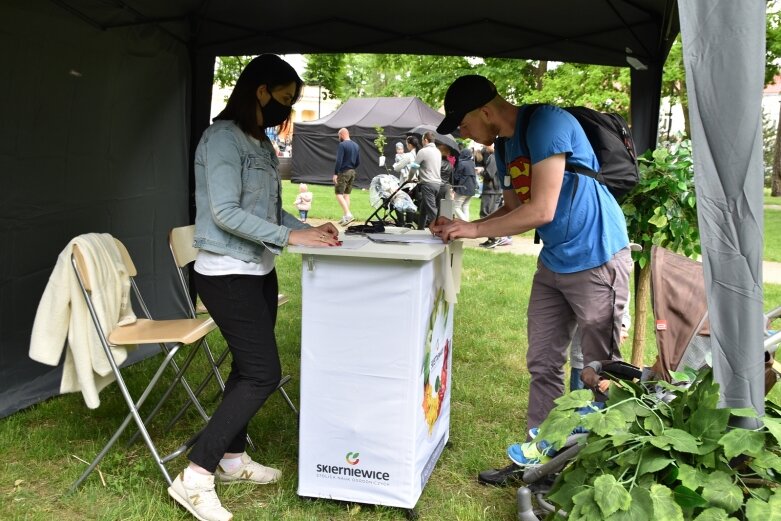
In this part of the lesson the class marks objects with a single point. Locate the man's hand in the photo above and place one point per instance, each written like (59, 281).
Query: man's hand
(447, 229)
(334, 179)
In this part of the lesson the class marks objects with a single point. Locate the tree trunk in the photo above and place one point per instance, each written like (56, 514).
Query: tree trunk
(775, 184)
(642, 292)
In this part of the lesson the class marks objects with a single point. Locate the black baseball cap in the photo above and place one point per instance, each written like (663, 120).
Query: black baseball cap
(464, 95)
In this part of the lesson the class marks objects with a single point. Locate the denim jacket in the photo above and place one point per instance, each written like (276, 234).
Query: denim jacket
(238, 195)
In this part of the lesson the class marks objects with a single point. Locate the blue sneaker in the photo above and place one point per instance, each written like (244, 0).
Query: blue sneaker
(533, 432)
(529, 454)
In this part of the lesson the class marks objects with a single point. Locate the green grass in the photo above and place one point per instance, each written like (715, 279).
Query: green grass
(490, 388)
(324, 205)
(769, 199)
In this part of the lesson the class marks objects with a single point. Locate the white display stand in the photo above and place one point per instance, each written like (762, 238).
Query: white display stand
(376, 353)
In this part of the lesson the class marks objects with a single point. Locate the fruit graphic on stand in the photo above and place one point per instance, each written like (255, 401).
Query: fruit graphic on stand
(434, 395)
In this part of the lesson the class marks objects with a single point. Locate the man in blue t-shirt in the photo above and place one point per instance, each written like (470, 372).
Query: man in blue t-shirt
(347, 160)
(583, 269)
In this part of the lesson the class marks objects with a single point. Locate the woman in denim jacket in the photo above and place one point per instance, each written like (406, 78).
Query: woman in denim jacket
(240, 228)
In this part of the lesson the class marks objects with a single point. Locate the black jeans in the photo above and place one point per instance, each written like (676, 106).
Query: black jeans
(428, 202)
(245, 309)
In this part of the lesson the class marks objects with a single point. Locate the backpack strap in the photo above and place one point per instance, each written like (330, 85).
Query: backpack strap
(525, 119)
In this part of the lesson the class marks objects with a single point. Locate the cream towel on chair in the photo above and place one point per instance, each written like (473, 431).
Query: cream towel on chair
(63, 318)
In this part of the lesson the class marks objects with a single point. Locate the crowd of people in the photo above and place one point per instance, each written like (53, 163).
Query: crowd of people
(240, 228)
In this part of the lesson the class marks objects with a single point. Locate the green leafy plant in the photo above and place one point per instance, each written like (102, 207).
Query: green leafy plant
(651, 458)
(380, 141)
(661, 210)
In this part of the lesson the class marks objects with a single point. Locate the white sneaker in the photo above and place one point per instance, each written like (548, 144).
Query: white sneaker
(346, 219)
(248, 472)
(200, 500)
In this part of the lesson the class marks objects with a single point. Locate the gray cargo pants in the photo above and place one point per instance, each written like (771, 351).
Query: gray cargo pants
(593, 299)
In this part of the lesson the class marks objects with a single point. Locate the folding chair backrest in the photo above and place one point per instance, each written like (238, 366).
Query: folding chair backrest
(181, 242)
(82, 266)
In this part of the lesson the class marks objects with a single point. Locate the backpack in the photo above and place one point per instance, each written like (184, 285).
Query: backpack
(613, 145)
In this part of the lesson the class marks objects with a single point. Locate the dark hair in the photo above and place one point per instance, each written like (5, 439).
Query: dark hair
(429, 136)
(269, 70)
(413, 140)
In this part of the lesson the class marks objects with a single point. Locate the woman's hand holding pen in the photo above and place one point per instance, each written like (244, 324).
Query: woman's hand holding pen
(323, 235)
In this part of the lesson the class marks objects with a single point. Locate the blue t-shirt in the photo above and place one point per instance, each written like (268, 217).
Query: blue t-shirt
(587, 229)
(347, 156)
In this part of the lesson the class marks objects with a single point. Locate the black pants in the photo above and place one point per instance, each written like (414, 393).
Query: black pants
(428, 202)
(245, 309)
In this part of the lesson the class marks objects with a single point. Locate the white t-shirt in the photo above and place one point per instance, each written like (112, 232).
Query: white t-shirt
(212, 264)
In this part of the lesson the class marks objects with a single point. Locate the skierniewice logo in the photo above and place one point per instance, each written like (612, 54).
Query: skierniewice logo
(352, 458)
(352, 472)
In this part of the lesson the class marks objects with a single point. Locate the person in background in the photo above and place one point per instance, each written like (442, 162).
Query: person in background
(430, 181)
(491, 195)
(240, 228)
(583, 269)
(347, 160)
(303, 202)
(446, 173)
(464, 183)
(400, 156)
(407, 163)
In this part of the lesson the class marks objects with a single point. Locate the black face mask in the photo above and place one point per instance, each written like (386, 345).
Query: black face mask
(274, 113)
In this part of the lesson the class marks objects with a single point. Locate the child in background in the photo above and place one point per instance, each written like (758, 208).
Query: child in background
(303, 201)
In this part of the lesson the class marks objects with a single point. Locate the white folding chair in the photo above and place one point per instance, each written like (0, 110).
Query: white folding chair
(180, 240)
(176, 333)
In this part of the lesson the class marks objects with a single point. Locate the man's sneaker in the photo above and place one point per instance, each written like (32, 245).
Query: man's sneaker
(200, 500)
(500, 477)
(490, 243)
(528, 454)
(346, 219)
(533, 432)
(504, 241)
(248, 472)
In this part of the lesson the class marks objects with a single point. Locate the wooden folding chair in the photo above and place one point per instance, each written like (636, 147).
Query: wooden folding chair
(180, 240)
(176, 333)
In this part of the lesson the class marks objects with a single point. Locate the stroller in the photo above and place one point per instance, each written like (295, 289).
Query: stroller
(393, 202)
(683, 341)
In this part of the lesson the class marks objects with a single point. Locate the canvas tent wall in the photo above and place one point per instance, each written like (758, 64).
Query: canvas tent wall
(315, 142)
(103, 101)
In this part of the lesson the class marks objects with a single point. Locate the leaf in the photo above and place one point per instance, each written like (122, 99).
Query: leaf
(558, 426)
(585, 506)
(708, 424)
(690, 477)
(688, 498)
(681, 440)
(720, 491)
(744, 412)
(606, 423)
(712, 514)
(610, 495)
(660, 221)
(574, 400)
(767, 460)
(742, 441)
(681, 376)
(640, 509)
(595, 447)
(653, 460)
(572, 482)
(654, 424)
(758, 510)
(665, 507)
(774, 426)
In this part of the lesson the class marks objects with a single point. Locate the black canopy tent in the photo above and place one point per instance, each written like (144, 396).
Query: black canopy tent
(104, 101)
(315, 142)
